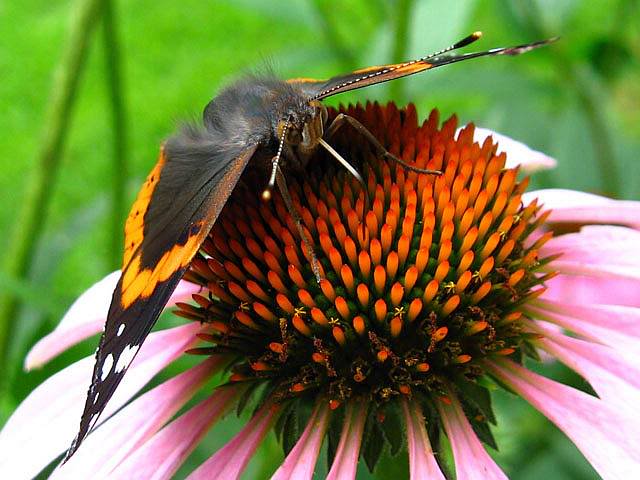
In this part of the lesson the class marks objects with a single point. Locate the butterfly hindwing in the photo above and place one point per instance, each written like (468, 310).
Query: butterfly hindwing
(173, 213)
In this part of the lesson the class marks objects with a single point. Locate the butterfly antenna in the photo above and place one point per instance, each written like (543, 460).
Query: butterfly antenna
(266, 193)
(468, 40)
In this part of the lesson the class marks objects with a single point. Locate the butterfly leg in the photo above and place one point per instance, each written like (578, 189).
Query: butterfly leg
(343, 119)
(282, 186)
(351, 169)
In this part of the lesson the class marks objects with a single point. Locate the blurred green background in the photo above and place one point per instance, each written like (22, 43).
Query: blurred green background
(90, 88)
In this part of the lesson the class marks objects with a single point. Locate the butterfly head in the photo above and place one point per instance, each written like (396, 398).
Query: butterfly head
(303, 127)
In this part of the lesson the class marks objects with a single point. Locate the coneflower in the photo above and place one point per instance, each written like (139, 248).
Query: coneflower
(432, 289)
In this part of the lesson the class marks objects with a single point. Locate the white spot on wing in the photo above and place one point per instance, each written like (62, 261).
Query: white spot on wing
(106, 367)
(120, 330)
(126, 357)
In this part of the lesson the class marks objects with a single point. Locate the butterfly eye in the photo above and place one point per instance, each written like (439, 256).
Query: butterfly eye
(293, 136)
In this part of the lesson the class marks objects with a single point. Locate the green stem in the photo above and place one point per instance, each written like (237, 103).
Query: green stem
(600, 135)
(400, 43)
(588, 99)
(119, 125)
(323, 9)
(32, 218)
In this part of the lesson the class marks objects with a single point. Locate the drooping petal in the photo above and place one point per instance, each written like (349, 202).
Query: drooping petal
(345, 463)
(580, 207)
(605, 436)
(613, 325)
(422, 462)
(517, 152)
(598, 270)
(44, 424)
(86, 317)
(161, 456)
(595, 244)
(471, 459)
(123, 433)
(301, 461)
(580, 289)
(229, 462)
(600, 251)
(614, 378)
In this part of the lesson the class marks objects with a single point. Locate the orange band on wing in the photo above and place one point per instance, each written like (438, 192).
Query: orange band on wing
(140, 280)
(134, 227)
(305, 80)
(413, 68)
(138, 283)
(374, 68)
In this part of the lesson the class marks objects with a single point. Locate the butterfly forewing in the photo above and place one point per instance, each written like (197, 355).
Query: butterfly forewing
(319, 89)
(174, 211)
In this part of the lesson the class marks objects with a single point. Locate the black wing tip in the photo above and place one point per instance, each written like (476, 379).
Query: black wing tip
(72, 449)
(518, 49)
(83, 431)
(511, 51)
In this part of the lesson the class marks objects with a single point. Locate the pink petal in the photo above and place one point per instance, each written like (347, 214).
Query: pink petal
(44, 424)
(615, 379)
(345, 463)
(422, 462)
(301, 461)
(613, 325)
(471, 459)
(86, 317)
(229, 462)
(608, 439)
(598, 270)
(160, 457)
(579, 207)
(587, 290)
(123, 433)
(597, 244)
(517, 152)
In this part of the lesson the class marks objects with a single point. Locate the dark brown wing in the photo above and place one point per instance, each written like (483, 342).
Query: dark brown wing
(319, 89)
(174, 211)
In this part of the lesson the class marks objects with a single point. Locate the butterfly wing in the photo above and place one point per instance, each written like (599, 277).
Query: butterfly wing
(319, 89)
(174, 211)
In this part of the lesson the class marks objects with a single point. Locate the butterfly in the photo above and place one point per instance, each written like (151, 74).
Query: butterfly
(259, 122)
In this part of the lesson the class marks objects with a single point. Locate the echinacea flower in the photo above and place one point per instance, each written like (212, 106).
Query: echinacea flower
(446, 285)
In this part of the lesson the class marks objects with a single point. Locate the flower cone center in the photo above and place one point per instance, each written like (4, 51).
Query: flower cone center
(414, 291)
